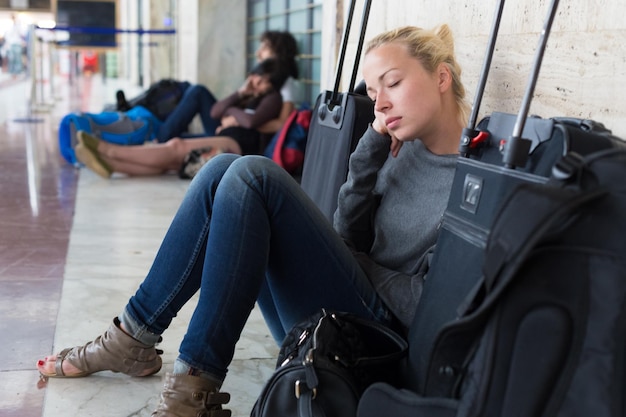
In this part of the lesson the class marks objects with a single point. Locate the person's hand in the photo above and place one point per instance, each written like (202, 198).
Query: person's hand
(227, 121)
(246, 90)
(381, 128)
(395, 146)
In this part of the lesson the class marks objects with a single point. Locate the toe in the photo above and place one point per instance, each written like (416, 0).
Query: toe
(46, 366)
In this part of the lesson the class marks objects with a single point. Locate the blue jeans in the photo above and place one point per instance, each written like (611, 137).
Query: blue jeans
(197, 99)
(246, 231)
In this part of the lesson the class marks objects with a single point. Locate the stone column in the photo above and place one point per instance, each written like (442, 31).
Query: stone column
(212, 43)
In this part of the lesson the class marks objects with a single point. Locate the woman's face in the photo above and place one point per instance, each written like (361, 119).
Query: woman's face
(408, 99)
(260, 83)
(264, 51)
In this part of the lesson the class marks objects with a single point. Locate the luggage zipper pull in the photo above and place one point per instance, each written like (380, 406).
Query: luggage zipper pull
(471, 141)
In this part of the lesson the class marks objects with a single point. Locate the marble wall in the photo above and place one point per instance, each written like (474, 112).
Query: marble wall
(222, 44)
(212, 43)
(584, 68)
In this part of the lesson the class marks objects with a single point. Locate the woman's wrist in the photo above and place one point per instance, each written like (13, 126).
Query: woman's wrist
(379, 127)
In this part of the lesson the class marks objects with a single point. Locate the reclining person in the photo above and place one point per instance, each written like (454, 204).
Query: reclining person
(198, 100)
(256, 102)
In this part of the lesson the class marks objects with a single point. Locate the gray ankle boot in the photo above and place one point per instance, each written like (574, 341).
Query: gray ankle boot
(188, 395)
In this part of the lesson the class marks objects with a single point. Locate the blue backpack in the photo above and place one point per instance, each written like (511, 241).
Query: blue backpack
(133, 127)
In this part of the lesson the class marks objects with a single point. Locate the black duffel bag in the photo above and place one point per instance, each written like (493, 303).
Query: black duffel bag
(325, 364)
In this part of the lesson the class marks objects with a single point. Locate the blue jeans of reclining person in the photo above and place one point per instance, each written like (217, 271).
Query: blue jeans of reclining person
(246, 231)
(197, 99)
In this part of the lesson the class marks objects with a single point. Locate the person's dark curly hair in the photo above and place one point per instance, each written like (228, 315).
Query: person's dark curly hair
(273, 69)
(285, 47)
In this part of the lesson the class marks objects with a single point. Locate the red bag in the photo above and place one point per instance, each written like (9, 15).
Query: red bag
(288, 144)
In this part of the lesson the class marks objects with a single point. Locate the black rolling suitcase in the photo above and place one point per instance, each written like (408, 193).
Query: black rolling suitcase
(493, 165)
(337, 123)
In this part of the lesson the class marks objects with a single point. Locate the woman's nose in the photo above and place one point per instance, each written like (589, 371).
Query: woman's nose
(381, 103)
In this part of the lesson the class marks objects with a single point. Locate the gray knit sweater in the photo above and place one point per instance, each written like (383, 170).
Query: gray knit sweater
(389, 212)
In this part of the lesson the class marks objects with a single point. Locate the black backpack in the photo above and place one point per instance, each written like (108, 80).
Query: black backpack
(544, 333)
(161, 98)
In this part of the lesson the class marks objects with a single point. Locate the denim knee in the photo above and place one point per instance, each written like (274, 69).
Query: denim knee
(196, 89)
(213, 171)
(256, 166)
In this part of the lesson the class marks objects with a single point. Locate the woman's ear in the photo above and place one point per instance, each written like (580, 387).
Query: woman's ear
(445, 77)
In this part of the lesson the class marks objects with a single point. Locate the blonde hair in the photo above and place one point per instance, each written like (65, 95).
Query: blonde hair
(431, 48)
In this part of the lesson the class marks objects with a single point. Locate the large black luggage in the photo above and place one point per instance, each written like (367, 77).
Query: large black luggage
(546, 328)
(544, 335)
(478, 190)
(494, 165)
(337, 123)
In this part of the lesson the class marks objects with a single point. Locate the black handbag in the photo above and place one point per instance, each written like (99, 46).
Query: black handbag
(326, 362)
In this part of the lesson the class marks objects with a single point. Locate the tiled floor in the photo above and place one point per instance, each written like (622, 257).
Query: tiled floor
(73, 247)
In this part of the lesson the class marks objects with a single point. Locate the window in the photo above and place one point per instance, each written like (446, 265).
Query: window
(303, 18)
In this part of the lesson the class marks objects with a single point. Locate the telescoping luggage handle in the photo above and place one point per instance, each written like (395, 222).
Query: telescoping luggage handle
(471, 138)
(516, 150)
(332, 106)
(344, 46)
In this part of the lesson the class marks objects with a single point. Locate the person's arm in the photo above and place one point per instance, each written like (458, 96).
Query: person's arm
(267, 109)
(357, 202)
(401, 292)
(276, 124)
(354, 221)
(219, 108)
(291, 94)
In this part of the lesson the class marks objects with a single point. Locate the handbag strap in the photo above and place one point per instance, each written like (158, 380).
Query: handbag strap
(307, 390)
(282, 136)
(305, 406)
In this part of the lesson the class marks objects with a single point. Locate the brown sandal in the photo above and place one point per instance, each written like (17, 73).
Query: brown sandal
(113, 351)
(187, 395)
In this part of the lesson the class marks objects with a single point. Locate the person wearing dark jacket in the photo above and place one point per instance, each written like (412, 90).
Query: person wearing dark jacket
(257, 101)
(199, 100)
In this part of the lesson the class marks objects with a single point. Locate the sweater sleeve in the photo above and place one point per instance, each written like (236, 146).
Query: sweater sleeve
(220, 107)
(401, 292)
(267, 109)
(354, 221)
(357, 201)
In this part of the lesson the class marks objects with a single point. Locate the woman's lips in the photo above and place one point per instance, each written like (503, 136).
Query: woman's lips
(392, 122)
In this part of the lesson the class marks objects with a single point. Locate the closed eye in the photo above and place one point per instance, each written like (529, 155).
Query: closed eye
(371, 94)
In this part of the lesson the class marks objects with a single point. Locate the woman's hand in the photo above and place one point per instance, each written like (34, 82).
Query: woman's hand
(395, 146)
(381, 128)
(227, 121)
(247, 89)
